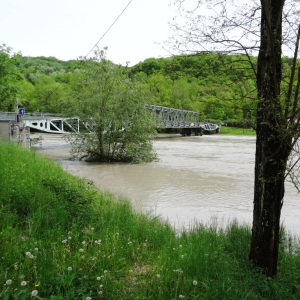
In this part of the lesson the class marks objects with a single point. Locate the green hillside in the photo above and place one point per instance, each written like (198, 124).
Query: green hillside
(219, 86)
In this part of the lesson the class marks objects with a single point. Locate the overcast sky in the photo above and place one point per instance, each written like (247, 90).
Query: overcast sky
(67, 29)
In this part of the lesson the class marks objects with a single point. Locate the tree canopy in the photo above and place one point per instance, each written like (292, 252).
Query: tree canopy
(111, 106)
(198, 82)
(9, 77)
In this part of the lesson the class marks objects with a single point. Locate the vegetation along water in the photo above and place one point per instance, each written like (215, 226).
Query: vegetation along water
(60, 238)
(88, 245)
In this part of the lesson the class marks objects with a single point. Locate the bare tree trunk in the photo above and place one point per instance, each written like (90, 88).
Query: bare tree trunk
(270, 165)
(272, 149)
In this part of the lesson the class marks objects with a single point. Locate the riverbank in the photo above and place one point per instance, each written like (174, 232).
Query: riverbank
(237, 131)
(60, 238)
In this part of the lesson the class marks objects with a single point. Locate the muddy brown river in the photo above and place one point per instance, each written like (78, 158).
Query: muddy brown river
(207, 179)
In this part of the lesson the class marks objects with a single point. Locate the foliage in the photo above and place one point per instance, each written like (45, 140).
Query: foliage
(112, 108)
(46, 83)
(200, 82)
(208, 83)
(218, 86)
(60, 238)
(9, 76)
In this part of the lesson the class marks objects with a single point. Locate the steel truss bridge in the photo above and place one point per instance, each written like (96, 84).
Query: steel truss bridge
(163, 117)
(186, 120)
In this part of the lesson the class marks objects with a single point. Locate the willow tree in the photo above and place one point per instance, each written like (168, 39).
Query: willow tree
(115, 125)
(264, 28)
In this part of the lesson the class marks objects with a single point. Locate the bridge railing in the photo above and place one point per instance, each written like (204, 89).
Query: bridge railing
(29, 115)
(7, 116)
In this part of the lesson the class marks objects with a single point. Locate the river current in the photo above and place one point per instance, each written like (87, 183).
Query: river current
(207, 179)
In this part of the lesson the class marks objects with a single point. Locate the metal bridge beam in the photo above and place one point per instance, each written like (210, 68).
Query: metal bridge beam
(165, 117)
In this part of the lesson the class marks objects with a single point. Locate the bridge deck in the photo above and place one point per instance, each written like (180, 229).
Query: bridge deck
(163, 117)
(51, 123)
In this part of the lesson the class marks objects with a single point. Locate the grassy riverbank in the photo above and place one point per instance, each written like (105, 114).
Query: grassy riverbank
(62, 239)
(237, 131)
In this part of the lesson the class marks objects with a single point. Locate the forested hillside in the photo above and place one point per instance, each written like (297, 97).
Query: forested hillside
(219, 86)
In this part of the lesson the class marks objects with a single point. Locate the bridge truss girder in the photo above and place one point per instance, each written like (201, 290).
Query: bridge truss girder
(165, 117)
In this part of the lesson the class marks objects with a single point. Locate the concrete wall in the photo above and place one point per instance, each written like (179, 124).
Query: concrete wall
(17, 132)
(5, 130)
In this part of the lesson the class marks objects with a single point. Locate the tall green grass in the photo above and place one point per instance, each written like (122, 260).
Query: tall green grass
(60, 238)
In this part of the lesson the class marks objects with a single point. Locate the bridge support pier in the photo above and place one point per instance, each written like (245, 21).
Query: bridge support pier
(198, 131)
(188, 131)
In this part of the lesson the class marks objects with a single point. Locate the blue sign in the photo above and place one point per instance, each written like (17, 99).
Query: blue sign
(21, 111)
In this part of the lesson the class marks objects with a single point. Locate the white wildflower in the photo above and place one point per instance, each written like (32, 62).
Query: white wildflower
(69, 269)
(23, 283)
(80, 250)
(64, 241)
(34, 293)
(8, 282)
(195, 282)
(29, 254)
(99, 278)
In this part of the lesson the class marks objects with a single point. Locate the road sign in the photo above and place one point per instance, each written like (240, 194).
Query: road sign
(21, 111)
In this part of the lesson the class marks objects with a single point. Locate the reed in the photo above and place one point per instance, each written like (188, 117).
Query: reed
(60, 238)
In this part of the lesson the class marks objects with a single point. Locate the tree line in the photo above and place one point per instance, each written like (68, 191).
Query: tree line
(219, 86)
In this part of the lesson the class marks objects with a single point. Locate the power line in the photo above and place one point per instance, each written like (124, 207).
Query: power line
(98, 40)
(109, 27)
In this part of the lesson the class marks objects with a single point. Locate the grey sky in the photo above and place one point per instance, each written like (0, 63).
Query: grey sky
(67, 29)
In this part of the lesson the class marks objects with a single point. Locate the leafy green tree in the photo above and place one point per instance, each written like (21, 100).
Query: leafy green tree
(9, 76)
(48, 95)
(25, 94)
(112, 108)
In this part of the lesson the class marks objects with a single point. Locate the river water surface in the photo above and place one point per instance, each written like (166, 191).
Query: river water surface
(207, 179)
